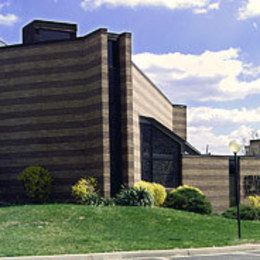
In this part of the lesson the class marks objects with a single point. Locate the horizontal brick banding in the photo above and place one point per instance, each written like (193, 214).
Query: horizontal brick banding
(51, 84)
(56, 55)
(49, 70)
(48, 91)
(69, 89)
(48, 126)
(51, 133)
(10, 157)
(192, 175)
(211, 175)
(69, 158)
(92, 114)
(125, 52)
(50, 47)
(55, 167)
(51, 112)
(40, 65)
(197, 168)
(179, 120)
(57, 175)
(150, 102)
(51, 140)
(59, 184)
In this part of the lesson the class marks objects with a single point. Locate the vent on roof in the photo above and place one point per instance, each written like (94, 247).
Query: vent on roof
(43, 31)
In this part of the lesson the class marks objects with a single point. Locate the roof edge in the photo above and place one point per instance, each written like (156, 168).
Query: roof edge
(153, 84)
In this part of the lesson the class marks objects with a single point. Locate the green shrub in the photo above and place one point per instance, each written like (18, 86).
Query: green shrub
(37, 183)
(108, 202)
(156, 190)
(93, 199)
(246, 213)
(189, 199)
(134, 197)
(83, 188)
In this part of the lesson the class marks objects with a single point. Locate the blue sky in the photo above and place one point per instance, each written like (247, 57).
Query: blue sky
(201, 53)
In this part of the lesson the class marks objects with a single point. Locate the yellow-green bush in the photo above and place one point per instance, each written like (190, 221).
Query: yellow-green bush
(156, 190)
(184, 187)
(37, 183)
(254, 201)
(83, 188)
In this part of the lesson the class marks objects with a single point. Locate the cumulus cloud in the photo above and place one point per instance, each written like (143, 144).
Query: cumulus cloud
(205, 125)
(197, 6)
(202, 136)
(7, 19)
(208, 116)
(251, 8)
(218, 76)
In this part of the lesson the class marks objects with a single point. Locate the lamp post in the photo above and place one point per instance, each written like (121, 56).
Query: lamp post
(234, 147)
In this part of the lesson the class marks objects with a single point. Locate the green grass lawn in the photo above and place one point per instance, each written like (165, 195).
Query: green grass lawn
(74, 229)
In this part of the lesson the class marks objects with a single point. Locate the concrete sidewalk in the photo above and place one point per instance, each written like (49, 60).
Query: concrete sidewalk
(147, 254)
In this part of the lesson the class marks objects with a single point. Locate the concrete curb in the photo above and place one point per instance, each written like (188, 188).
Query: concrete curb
(149, 254)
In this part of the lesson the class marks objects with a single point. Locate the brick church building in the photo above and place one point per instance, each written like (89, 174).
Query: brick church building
(80, 107)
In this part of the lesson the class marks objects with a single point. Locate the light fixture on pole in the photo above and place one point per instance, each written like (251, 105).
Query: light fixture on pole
(234, 148)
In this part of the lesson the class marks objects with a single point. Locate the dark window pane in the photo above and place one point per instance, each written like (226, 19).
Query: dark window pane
(160, 156)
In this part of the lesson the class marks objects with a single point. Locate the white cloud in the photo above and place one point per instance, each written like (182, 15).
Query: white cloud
(202, 136)
(8, 19)
(251, 8)
(200, 11)
(204, 122)
(197, 6)
(222, 117)
(217, 76)
(214, 6)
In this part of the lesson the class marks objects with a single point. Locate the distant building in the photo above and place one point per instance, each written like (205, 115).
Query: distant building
(80, 107)
(253, 148)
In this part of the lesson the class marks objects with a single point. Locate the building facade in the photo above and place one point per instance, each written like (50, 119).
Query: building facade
(253, 148)
(79, 107)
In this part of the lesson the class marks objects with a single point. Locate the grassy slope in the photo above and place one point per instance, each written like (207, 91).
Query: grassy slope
(60, 229)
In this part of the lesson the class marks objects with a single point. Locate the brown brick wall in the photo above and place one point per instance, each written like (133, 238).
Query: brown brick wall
(179, 122)
(149, 102)
(54, 113)
(211, 175)
(125, 49)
